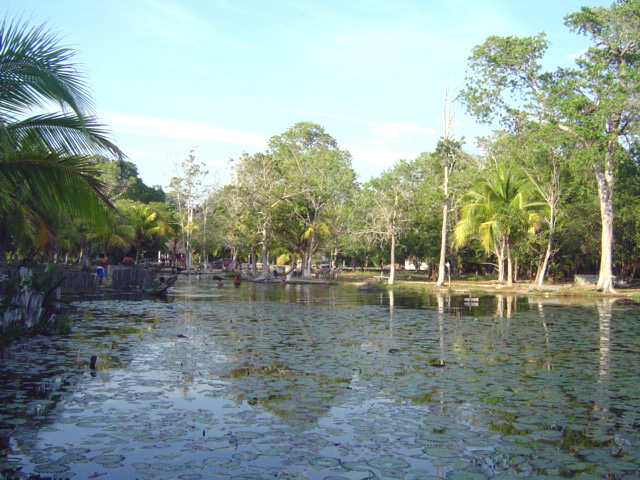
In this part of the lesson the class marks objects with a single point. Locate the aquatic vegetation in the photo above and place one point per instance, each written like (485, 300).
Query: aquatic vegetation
(325, 382)
(247, 370)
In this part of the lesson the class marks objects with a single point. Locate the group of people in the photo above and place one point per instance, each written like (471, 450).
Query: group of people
(237, 280)
(103, 261)
(331, 273)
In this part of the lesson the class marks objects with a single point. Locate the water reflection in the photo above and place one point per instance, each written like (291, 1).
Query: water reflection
(391, 305)
(315, 381)
(605, 310)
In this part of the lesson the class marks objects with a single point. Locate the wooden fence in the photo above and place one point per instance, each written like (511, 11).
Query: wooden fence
(26, 306)
(77, 281)
(125, 278)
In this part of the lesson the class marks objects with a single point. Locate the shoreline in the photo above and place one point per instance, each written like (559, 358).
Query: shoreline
(492, 287)
(521, 289)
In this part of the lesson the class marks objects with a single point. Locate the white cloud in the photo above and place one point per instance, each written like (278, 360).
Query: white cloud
(171, 129)
(391, 131)
(575, 56)
(371, 162)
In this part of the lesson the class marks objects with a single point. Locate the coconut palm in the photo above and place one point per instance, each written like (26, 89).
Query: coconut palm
(45, 165)
(143, 221)
(496, 212)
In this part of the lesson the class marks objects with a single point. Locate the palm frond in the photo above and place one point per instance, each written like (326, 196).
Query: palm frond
(35, 70)
(65, 133)
(62, 185)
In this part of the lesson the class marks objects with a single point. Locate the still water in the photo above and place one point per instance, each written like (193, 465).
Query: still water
(326, 382)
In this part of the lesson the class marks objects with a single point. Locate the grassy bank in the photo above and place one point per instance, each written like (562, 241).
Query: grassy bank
(480, 286)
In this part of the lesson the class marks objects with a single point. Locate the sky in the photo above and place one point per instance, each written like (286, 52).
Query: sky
(220, 77)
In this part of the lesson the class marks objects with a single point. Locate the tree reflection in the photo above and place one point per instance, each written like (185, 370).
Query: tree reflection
(543, 320)
(604, 307)
(391, 305)
(506, 306)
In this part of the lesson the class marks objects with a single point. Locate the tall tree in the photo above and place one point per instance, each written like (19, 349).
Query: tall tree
(143, 221)
(449, 151)
(321, 175)
(383, 206)
(186, 191)
(607, 108)
(123, 182)
(541, 151)
(496, 212)
(596, 102)
(260, 190)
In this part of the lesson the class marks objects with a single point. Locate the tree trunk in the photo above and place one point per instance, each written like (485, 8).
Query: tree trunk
(443, 241)
(138, 246)
(509, 264)
(306, 267)
(605, 193)
(499, 249)
(234, 259)
(303, 260)
(254, 269)
(265, 256)
(204, 234)
(542, 268)
(393, 259)
(189, 227)
(85, 261)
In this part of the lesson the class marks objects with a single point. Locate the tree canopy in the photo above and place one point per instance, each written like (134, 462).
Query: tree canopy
(562, 159)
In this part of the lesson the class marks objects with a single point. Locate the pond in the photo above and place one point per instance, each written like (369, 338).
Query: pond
(326, 382)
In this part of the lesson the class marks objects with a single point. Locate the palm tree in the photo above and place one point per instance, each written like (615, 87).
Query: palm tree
(143, 221)
(496, 212)
(45, 165)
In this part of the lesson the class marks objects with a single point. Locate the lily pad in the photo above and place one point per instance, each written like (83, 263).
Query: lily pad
(324, 462)
(245, 456)
(441, 452)
(108, 459)
(52, 468)
(453, 463)
(388, 463)
(515, 450)
(547, 435)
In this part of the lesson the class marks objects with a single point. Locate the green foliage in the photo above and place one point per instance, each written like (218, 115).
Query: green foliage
(505, 66)
(292, 197)
(121, 180)
(498, 208)
(594, 104)
(45, 166)
(144, 223)
(627, 219)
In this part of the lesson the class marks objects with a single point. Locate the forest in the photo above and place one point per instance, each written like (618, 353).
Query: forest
(554, 191)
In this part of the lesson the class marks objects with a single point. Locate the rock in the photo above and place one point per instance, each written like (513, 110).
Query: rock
(582, 280)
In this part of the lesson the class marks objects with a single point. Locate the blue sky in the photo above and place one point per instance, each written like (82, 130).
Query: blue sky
(221, 77)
